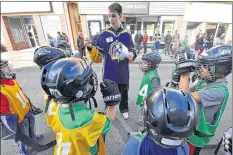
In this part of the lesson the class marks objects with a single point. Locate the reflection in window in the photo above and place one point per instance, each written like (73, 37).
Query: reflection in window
(167, 26)
(150, 28)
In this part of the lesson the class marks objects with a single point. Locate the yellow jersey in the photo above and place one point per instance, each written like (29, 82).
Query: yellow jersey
(18, 101)
(52, 109)
(79, 140)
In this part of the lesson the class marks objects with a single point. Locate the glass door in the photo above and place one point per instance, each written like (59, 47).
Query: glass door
(30, 35)
(31, 31)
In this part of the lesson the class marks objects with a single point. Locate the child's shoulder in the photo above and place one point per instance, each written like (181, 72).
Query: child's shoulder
(9, 82)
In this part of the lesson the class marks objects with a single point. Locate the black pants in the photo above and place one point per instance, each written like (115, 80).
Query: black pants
(124, 88)
(82, 53)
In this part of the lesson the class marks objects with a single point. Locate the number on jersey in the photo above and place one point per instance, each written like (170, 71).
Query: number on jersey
(62, 148)
(143, 91)
(22, 98)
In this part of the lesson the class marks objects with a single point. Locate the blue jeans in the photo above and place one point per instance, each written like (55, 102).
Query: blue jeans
(145, 48)
(167, 49)
(27, 127)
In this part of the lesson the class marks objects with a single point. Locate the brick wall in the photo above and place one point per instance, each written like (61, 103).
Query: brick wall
(15, 45)
(7, 43)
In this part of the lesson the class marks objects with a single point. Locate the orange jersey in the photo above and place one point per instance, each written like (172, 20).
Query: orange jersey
(18, 101)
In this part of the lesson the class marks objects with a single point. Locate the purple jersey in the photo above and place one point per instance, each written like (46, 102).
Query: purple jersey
(113, 47)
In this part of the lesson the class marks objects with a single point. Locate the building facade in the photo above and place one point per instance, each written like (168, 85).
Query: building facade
(211, 18)
(26, 24)
(150, 16)
(189, 18)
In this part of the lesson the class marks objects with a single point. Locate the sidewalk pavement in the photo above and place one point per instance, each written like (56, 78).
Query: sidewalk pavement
(27, 55)
(21, 55)
(165, 58)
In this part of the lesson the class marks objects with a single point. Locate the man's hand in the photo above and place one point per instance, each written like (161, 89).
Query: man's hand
(130, 55)
(185, 63)
(87, 43)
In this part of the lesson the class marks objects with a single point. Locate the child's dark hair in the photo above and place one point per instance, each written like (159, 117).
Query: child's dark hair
(115, 7)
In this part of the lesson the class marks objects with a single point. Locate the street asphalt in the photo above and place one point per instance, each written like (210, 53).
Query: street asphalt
(28, 75)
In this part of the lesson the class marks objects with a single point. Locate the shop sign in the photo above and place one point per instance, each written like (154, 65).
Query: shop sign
(210, 27)
(136, 8)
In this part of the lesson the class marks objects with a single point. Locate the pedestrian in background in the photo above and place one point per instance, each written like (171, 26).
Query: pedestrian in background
(51, 40)
(80, 45)
(210, 41)
(175, 40)
(144, 41)
(60, 36)
(65, 36)
(156, 44)
(138, 40)
(167, 40)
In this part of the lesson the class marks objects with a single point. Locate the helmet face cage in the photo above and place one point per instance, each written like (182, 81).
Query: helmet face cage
(144, 65)
(7, 71)
(210, 68)
(216, 70)
(217, 60)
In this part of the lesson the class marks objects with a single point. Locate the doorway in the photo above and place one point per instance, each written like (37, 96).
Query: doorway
(131, 28)
(94, 27)
(31, 32)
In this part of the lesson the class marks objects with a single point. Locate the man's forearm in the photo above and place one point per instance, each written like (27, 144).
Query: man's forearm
(111, 112)
(184, 82)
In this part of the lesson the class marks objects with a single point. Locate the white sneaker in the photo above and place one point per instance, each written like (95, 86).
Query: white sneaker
(125, 115)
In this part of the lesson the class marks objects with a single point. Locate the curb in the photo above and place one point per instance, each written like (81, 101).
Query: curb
(162, 62)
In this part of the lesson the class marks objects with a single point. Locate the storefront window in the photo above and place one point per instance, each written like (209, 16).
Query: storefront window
(150, 28)
(107, 24)
(51, 24)
(28, 20)
(211, 28)
(139, 25)
(16, 29)
(167, 26)
(222, 28)
(94, 28)
(123, 24)
(130, 20)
